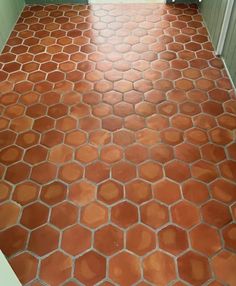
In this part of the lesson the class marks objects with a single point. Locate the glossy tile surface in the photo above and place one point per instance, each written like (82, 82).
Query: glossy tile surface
(117, 136)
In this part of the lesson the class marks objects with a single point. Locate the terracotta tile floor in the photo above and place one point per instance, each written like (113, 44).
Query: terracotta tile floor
(118, 153)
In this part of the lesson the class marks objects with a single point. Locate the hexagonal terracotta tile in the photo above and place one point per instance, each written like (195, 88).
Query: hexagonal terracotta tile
(52, 138)
(177, 171)
(25, 193)
(15, 237)
(25, 266)
(112, 123)
(150, 171)
(186, 265)
(231, 150)
(124, 214)
(173, 239)
(75, 138)
(195, 191)
(136, 153)
(220, 136)
(64, 215)
(7, 138)
(216, 213)
(17, 173)
(223, 191)
(229, 236)
(53, 193)
(34, 215)
(70, 172)
(138, 191)
(159, 268)
(35, 155)
(5, 190)
(70, 238)
(134, 122)
(154, 214)
(43, 124)
(94, 215)
(90, 268)
(223, 265)
(66, 124)
(110, 192)
(108, 240)
(145, 243)
(81, 193)
(179, 211)
(43, 173)
(10, 155)
(100, 137)
(60, 154)
(43, 240)
(123, 171)
(111, 154)
(86, 154)
(124, 269)
(9, 213)
(167, 191)
(227, 169)
(204, 171)
(187, 152)
(97, 172)
(205, 239)
(123, 137)
(58, 263)
(148, 136)
(161, 153)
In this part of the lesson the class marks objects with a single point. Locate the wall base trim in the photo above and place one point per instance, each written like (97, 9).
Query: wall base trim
(4, 41)
(228, 73)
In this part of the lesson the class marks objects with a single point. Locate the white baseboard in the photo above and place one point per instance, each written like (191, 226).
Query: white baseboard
(124, 1)
(8, 277)
(229, 75)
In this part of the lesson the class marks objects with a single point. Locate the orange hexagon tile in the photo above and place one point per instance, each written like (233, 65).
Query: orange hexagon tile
(94, 215)
(154, 214)
(9, 214)
(90, 268)
(216, 213)
(16, 236)
(25, 193)
(167, 191)
(124, 214)
(81, 193)
(229, 236)
(109, 192)
(50, 239)
(70, 239)
(34, 215)
(25, 266)
(223, 191)
(166, 268)
(53, 193)
(52, 264)
(179, 211)
(64, 215)
(145, 244)
(173, 239)
(128, 267)
(188, 262)
(138, 191)
(108, 239)
(211, 242)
